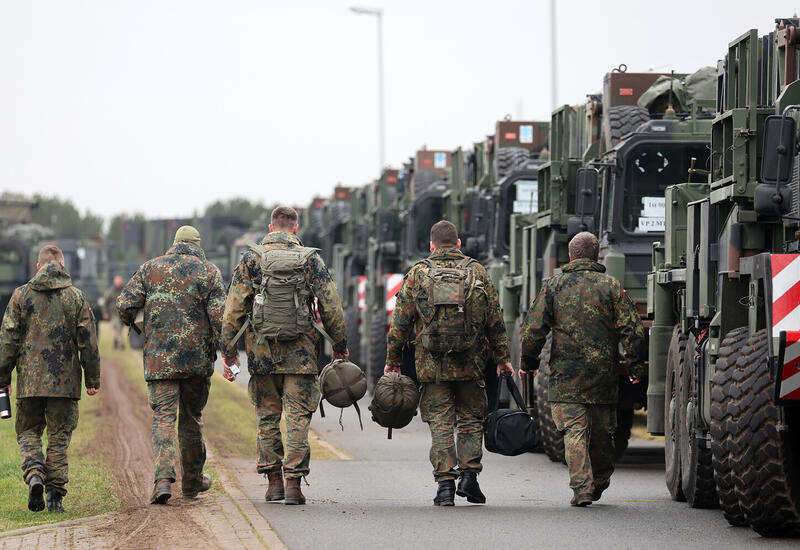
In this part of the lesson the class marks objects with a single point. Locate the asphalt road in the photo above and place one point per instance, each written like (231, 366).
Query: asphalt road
(383, 499)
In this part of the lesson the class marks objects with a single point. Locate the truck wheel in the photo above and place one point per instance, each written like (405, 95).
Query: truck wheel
(552, 439)
(724, 419)
(620, 121)
(765, 454)
(377, 348)
(672, 417)
(351, 317)
(697, 473)
(510, 159)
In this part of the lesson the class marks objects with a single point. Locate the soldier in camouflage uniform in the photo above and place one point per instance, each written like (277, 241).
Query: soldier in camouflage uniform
(183, 296)
(283, 374)
(452, 384)
(110, 310)
(49, 335)
(590, 317)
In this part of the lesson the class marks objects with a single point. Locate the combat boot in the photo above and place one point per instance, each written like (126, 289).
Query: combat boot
(445, 494)
(161, 492)
(597, 492)
(54, 502)
(293, 493)
(581, 499)
(192, 490)
(468, 487)
(35, 492)
(275, 490)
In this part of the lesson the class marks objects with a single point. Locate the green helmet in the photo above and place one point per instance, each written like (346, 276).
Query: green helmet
(394, 402)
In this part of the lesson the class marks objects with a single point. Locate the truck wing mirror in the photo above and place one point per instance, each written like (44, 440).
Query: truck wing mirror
(777, 155)
(586, 201)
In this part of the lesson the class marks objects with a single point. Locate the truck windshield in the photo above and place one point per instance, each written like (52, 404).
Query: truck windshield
(522, 197)
(649, 170)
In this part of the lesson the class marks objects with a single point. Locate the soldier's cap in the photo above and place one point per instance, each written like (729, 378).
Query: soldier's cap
(187, 233)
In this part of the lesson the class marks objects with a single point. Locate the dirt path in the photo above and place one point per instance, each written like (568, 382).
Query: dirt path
(125, 436)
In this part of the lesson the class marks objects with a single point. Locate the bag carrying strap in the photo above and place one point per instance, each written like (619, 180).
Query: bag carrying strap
(512, 388)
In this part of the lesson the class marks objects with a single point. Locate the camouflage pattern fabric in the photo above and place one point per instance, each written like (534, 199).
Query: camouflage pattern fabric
(590, 316)
(60, 416)
(460, 404)
(487, 319)
(183, 297)
(588, 443)
(297, 395)
(274, 357)
(49, 335)
(184, 399)
(110, 309)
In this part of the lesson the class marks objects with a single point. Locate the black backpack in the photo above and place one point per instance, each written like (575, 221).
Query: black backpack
(510, 432)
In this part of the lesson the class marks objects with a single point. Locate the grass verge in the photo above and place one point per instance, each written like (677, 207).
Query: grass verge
(91, 484)
(639, 430)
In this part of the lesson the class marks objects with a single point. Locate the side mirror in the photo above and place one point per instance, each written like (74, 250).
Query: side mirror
(777, 155)
(586, 201)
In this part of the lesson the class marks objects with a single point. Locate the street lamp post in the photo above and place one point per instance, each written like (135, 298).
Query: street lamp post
(378, 13)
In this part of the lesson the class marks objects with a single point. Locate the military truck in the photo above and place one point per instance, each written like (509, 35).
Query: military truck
(17, 235)
(723, 295)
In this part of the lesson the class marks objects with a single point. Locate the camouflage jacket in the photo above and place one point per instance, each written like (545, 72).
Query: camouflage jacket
(273, 357)
(487, 319)
(183, 297)
(590, 317)
(110, 298)
(49, 334)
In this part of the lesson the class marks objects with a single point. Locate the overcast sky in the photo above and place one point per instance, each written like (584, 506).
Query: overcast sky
(163, 106)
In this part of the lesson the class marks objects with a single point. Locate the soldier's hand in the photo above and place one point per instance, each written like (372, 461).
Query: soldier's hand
(342, 355)
(227, 373)
(522, 373)
(388, 368)
(634, 379)
(505, 367)
(91, 391)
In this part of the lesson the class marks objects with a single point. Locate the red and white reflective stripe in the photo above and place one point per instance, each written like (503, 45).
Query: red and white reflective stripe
(790, 373)
(393, 284)
(362, 292)
(786, 318)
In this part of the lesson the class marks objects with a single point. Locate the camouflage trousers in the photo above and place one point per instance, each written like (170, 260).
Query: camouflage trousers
(588, 443)
(298, 396)
(459, 407)
(185, 399)
(60, 416)
(116, 328)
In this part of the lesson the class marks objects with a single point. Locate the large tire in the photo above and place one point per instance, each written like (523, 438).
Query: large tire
(672, 416)
(509, 160)
(765, 456)
(724, 419)
(351, 318)
(552, 439)
(620, 121)
(697, 473)
(377, 348)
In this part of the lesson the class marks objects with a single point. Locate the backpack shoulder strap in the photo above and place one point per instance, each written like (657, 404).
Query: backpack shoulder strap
(466, 261)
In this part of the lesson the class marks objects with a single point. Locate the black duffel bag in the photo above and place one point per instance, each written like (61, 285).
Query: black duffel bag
(510, 432)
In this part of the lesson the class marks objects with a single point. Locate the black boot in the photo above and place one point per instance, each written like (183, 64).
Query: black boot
(35, 492)
(445, 494)
(468, 487)
(54, 502)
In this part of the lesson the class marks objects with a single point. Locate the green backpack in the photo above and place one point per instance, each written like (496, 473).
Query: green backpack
(444, 305)
(282, 304)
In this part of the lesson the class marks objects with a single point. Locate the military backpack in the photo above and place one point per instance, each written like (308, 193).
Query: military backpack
(444, 303)
(282, 305)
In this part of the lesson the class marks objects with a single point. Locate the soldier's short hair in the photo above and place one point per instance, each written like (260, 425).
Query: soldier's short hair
(584, 245)
(284, 217)
(50, 253)
(444, 233)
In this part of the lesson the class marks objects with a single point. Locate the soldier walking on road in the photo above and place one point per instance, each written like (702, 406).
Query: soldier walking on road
(182, 296)
(590, 317)
(452, 304)
(49, 335)
(110, 310)
(271, 300)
